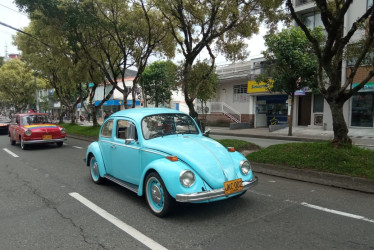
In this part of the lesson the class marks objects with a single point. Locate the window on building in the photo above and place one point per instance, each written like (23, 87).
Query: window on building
(312, 19)
(362, 109)
(240, 93)
(370, 3)
(318, 104)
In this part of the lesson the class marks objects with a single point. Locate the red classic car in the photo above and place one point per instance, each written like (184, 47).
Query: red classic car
(35, 128)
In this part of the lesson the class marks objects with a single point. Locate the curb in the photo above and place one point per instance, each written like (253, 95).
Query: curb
(275, 137)
(307, 175)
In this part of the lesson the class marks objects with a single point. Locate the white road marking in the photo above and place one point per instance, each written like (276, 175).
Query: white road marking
(10, 152)
(118, 223)
(77, 147)
(354, 216)
(258, 193)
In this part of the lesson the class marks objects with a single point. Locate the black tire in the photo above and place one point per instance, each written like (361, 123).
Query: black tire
(23, 145)
(60, 143)
(156, 195)
(12, 142)
(94, 171)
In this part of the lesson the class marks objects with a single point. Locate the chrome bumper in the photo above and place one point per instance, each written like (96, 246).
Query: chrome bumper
(212, 194)
(45, 141)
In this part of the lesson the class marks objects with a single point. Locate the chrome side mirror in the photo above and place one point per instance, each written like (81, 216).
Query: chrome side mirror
(207, 132)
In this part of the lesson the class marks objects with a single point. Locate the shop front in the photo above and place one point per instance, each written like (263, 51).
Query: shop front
(362, 106)
(273, 109)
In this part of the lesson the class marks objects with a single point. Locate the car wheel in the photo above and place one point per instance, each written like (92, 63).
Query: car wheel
(60, 143)
(23, 145)
(157, 196)
(94, 171)
(12, 142)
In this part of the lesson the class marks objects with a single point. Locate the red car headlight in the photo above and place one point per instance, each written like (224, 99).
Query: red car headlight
(28, 132)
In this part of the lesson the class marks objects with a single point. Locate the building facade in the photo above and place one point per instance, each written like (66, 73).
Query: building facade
(240, 99)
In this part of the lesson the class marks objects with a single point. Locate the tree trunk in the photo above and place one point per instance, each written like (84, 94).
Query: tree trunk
(339, 125)
(94, 116)
(291, 115)
(189, 101)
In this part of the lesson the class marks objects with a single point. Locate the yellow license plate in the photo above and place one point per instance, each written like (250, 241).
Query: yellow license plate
(233, 186)
(47, 137)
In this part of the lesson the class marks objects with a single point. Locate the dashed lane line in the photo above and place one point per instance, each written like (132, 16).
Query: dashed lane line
(10, 152)
(118, 223)
(353, 216)
(77, 147)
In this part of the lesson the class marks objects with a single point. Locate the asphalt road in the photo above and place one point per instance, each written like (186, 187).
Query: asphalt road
(45, 193)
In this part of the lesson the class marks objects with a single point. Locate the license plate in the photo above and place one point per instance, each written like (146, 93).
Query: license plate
(47, 137)
(233, 186)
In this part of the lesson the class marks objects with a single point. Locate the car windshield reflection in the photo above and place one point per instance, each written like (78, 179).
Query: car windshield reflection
(167, 124)
(34, 119)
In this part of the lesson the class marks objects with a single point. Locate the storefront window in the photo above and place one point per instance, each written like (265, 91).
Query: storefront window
(362, 109)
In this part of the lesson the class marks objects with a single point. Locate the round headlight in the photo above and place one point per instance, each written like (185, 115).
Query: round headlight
(245, 167)
(63, 131)
(28, 132)
(187, 178)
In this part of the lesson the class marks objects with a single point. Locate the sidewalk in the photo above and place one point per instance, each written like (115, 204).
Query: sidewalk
(360, 137)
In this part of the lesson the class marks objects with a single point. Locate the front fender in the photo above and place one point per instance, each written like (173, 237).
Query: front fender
(94, 149)
(169, 172)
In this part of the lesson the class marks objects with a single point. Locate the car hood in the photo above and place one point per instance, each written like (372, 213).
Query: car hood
(205, 156)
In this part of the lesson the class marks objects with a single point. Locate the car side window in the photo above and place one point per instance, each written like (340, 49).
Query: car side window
(107, 129)
(126, 130)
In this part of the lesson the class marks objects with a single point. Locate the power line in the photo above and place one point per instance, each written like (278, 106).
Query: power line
(13, 10)
(23, 32)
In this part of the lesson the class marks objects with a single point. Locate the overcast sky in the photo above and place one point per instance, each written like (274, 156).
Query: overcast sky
(10, 15)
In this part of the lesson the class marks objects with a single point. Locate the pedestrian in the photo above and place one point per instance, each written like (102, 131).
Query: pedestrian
(106, 115)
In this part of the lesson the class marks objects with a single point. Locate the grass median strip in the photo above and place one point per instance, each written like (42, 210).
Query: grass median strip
(321, 156)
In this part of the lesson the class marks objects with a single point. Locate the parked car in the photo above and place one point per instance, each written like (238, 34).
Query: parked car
(162, 154)
(4, 124)
(35, 128)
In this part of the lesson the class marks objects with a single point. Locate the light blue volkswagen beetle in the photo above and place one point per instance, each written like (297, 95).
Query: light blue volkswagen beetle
(161, 154)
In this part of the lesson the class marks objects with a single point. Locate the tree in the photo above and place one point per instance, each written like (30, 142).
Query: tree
(293, 64)
(202, 77)
(331, 52)
(197, 25)
(17, 84)
(158, 81)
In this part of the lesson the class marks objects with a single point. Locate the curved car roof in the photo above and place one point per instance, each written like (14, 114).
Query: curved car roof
(139, 113)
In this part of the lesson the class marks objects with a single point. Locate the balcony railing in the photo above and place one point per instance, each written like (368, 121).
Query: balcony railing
(221, 107)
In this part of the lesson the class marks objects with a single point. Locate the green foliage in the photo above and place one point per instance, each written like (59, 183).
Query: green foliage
(321, 156)
(158, 81)
(293, 63)
(202, 81)
(17, 84)
(199, 25)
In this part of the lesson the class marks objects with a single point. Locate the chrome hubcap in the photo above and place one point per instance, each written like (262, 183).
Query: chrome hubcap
(156, 194)
(95, 169)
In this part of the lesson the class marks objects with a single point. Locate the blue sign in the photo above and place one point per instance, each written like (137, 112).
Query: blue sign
(117, 103)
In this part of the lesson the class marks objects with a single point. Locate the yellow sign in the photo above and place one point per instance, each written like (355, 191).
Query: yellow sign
(254, 87)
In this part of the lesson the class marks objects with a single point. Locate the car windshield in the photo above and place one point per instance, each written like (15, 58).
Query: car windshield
(167, 124)
(34, 119)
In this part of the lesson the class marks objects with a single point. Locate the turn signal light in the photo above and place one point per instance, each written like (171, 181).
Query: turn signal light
(231, 149)
(172, 158)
